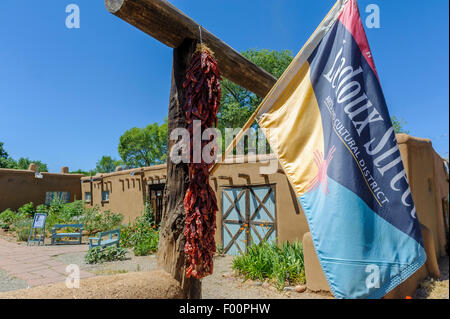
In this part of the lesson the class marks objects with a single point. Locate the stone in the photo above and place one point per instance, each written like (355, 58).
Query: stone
(228, 275)
(265, 285)
(300, 288)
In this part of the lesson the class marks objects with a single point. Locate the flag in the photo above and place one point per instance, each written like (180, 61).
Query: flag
(327, 121)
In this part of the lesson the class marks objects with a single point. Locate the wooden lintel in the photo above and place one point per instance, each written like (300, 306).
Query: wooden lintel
(164, 22)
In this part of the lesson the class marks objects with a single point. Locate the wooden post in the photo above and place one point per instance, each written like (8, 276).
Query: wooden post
(164, 22)
(171, 256)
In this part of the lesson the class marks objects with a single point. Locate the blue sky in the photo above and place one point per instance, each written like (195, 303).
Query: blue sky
(67, 95)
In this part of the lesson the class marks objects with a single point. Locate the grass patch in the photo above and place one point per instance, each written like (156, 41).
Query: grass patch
(282, 265)
(110, 272)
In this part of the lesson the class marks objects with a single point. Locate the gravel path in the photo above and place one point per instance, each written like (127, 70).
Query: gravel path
(8, 282)
(218, 286)
(131, 264)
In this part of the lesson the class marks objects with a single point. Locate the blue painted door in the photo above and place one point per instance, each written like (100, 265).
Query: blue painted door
(249, 216)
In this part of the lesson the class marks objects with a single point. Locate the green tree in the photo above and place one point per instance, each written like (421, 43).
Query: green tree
(5, 160)
(139, 147)
(238, 104)
(92, 172)
(107, 164)
(399, 125)
(3, 153)
(24, 163)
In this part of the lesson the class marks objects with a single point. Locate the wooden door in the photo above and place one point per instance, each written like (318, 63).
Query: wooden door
(248, 216)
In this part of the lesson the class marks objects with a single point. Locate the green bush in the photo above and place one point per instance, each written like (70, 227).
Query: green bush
(22, 229)
(139, 232)
(59, 212)
(27, 210)
(269, 261)
(7, 216)
(148, 246)
(100, 255)
(95, 221)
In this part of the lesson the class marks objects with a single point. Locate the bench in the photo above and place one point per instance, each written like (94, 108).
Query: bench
(100, 242)
(76, 235)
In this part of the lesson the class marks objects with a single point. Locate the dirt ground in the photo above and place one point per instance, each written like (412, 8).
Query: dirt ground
(222, 284)
(436, 289)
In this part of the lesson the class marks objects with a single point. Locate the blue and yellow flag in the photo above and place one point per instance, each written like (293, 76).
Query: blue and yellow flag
(327, 120)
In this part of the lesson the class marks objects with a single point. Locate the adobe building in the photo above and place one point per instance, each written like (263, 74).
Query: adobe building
(255, 205)
(19, 187)
(255, 200)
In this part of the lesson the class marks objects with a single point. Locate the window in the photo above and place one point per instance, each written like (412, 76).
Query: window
(62, 196)
(105, 196)
(87, 197)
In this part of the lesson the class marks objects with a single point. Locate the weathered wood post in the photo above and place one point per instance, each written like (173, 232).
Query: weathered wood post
(171, 255)
(164, 22)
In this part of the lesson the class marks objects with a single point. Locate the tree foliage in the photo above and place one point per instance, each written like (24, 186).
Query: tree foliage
(399, 125)
(237, 103)
(23, 163)
(146, 146)
(107, 164)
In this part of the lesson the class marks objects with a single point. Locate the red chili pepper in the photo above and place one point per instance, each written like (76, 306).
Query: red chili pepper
(202, 102)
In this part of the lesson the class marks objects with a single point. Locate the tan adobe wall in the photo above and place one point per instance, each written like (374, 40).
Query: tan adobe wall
(429, 184)
(126, 191)
(291, 222)
(19, 187)
(127, 196)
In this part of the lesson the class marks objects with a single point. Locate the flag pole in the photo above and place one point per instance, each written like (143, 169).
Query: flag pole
(236, 140)
(252, 118)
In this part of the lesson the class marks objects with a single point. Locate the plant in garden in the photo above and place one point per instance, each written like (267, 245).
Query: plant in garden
(269, 261)
(7, 216)
(96, 221)
(59, 212)
(22, 229)
(27, 210)
(140, 233)
(148, 214)
(100, 255)
(148, 246)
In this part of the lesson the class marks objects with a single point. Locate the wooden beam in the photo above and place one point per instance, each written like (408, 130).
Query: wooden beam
(164, 22)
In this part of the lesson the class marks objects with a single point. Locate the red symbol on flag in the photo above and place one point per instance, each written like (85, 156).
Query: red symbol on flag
(322, 164)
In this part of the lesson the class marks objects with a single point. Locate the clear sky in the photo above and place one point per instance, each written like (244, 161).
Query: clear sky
(67, 95)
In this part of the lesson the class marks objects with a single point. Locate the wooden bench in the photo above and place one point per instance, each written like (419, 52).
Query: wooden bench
(100, 242)
(76, 235)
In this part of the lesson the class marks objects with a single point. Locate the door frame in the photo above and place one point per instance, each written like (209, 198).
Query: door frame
(246, 215)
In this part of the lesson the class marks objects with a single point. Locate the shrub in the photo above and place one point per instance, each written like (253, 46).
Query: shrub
(7, 216)
(59, 212)
(22, 229)
(95, 221)
(148, 214)
(269, 261)
(100, 255)
(27, 210)
(138, 232)
(148, 246)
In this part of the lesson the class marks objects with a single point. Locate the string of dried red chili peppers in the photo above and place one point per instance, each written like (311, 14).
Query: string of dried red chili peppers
(203, 93)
